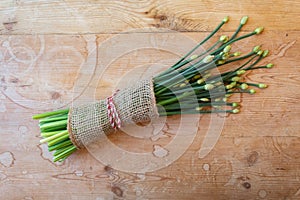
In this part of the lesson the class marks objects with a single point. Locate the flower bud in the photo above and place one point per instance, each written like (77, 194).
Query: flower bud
(261, 85)
(209, 86)
(237, 53)
(235, 104)
(240, 72)
(235, 79)
(256, 49)
(221, 62)
(260, 52)
(217, 99)
(244, 86)
(197, 76)
(252, 91)
(225, 56)
(224, 38)
(227, 49)
(199, 108)
(270, 65)
(226, 19)
(259, 30)
(204, 99)
(244, 20)
(228, 86)
(193, 57)
(233, 84)
(208, 59)
(200, 81)
(235, 111)
(265, 53)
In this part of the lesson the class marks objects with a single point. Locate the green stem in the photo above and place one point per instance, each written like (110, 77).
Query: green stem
(58, 140)
(53, 137)
(48, 134)
(195, 112)
(53, 119)
(48, 114)
(60, 145)
(54, 124)
(63, 149)
(64, 154)
(201, 43)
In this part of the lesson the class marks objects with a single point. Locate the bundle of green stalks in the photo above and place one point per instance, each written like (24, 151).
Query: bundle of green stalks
(191, 79)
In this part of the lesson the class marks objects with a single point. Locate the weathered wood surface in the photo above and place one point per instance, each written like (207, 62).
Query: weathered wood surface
(48, 47)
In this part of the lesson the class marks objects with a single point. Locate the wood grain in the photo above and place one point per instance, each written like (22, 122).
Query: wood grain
(74, 16)
(53, 53)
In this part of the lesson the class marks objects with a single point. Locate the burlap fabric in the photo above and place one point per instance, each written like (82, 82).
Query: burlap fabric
(88, 123)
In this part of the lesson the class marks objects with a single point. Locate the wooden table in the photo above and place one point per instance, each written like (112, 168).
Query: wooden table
(53, 53)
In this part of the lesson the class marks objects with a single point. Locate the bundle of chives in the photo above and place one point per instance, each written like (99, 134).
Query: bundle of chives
(177, 88)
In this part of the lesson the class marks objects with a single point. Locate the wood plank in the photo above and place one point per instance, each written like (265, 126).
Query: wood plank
(78, 16)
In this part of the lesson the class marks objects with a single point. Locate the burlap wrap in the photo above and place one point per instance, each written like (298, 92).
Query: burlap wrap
(87, 123)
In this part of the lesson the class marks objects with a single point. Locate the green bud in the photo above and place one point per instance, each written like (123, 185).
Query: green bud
(256, 49)
(199, 108)
(252, 91)
(197, 76)
(193, 57)
(261, 85)
(226, 19)
(233, 84)
(204, 99)
(237, 53)
(217, 99)
(221, 62)
(265, 53)
(208, 59)
(200, 81)
(224, 38)
(225, 56)
(228, 95)
(182, 85)
(235, 111)
(259, 30)
(240, 72)
(260, 52)
(224, 99)
(235, 104)
(227, 49)
(209, 86)
(228, 86)
(244, 86)
(235, 79)
(244, 20)
(270, 65)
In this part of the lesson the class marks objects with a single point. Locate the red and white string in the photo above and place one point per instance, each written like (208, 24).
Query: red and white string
(112, 113)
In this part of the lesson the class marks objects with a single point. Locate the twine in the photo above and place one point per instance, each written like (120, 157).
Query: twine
(112, 113)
